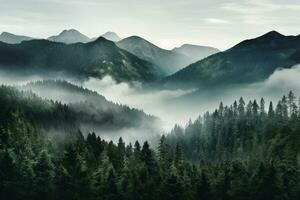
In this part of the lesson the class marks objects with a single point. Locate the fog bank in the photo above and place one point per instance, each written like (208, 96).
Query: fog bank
(172, 106)
(178, 106)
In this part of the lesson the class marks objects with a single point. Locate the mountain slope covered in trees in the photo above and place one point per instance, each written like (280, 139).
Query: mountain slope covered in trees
(247, 62)
(95, 59)
(92, 113)
(237, 152)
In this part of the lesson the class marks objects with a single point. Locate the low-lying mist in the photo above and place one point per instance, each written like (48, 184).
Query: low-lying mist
(178, 106)
(171, 106)
(154, 102)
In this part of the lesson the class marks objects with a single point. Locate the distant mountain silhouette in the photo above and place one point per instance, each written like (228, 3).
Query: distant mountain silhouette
(249, 61)
(70, 36)
(97, 59)
(196, 52)
(168, 61)
(12, 38)
(111, 36)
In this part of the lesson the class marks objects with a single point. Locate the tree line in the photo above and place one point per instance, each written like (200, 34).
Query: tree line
(237, 152)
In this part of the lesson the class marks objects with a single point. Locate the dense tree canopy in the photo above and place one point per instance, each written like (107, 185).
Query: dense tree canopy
(237, 152)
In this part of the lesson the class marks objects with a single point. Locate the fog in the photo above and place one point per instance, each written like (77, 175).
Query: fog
(178, 106)
(155, 102)
(171, 106)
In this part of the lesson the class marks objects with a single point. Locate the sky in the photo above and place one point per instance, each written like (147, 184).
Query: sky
(166, 23)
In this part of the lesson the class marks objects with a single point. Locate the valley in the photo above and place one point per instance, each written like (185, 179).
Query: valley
(112, 118)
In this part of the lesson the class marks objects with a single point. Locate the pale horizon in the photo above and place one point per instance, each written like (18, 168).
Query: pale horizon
(168, 24)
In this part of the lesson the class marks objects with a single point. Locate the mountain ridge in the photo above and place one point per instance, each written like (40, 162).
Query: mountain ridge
(69, 36)
(112, 36)
(249, 61)
(195, 52)
(167, 60)
(11, 38)
(94, 59)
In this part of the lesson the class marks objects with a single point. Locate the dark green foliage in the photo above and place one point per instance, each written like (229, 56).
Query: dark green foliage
(95, 59)
(93, 111)
(237, 152)
(247, 62)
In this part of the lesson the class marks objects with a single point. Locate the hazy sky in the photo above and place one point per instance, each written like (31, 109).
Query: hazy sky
(167, 23)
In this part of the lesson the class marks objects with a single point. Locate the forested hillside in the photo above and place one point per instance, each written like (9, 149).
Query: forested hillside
(93, 112)
(237, 152)
(81, 60)
(249, 61)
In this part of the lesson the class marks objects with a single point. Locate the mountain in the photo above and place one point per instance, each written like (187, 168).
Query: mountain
(168, 61)
(95, 59)
(111, 36)
(249, 61)
(70, 36)
(13, 39)
(91, 110)
(196, 52)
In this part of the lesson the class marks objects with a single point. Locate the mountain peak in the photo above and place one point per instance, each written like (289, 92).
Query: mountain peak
(11, 38)
(137, 40)
(272, 34)
(70, 36)
(101, 39)
(6, 33)
(112, 36)
(269, 39)
(102, 42)
(70, 31)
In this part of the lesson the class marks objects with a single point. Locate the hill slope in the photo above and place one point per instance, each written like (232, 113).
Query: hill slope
(196, 52)
(249, 61)
(93, 111)
(168, 61)
(13, 39)
(96, 59)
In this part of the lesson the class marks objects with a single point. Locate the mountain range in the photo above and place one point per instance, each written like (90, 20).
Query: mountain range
(73, 36)
(66, 36)
(168, 61)
(247, 62)
(94, 59)
(12, 38)
(136, 59)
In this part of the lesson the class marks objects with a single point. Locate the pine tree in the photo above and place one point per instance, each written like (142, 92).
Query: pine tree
(291, 102)
(44, 174)
(121, 150)
(203, 187)
(271, 112)
(241, 107)
(137, 151)
(262, 107)
(147, 157)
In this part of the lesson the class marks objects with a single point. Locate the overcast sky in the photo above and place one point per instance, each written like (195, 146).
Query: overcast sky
(167, 23)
